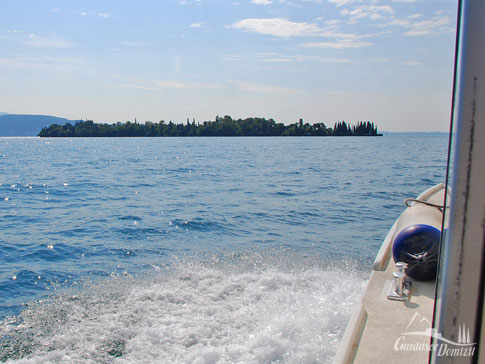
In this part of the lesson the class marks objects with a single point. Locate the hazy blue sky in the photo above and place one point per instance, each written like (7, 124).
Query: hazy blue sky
(388, 61)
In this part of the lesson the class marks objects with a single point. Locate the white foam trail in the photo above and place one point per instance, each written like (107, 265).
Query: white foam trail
(200, 313)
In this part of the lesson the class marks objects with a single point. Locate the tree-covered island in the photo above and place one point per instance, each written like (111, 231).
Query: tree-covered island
(222, 126)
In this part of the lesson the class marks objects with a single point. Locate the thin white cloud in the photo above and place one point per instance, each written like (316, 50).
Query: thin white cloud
(195, 25)
(185, 2)
(430, 27)
(100, 14)
(406, 23)
(44, 63)
(278, 27)
(46, 42)
(342, 93)
(254, 87)
(232, 57)
(373, 12)
(186, 85)
(278, 57)
(332, 22)
(337, 45)
(284, 28)
(300, 58)
(435, 26)
(138, 87)
(340, 3)
(282, 58)
(170, 84)
(155, 85)
(261, 2)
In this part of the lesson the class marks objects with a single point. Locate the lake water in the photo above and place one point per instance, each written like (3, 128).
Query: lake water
(195, 250)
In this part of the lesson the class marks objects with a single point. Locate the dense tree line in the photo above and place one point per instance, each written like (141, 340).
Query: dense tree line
(222, 126)
(361, 129)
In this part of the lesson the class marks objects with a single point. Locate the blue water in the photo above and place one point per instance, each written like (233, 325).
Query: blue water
(179, 249)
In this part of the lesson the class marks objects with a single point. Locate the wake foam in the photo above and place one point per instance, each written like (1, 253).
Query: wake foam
(241, 308)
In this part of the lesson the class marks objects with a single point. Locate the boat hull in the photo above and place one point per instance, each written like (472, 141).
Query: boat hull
(379, 330)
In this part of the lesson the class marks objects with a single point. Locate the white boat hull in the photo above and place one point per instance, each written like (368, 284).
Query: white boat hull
(378, 331)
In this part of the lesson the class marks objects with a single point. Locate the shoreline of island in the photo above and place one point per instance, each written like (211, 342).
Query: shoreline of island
(221, 126)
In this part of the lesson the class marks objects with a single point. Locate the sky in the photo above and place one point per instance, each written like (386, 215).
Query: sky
(386, 61)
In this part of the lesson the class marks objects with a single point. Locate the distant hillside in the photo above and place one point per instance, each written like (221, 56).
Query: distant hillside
(26, 125)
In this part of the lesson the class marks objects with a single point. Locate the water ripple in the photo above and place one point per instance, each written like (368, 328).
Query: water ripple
(73, 209)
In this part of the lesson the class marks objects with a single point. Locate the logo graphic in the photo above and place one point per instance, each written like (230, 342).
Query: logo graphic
(421, 326)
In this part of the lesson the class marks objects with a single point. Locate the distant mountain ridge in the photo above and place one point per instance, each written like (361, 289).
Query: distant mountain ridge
(20, 125)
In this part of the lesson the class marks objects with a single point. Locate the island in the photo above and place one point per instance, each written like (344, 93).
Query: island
(221, 126)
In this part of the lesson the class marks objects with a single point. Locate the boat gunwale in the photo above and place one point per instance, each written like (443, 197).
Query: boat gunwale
(383, 256)
(357, 323)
